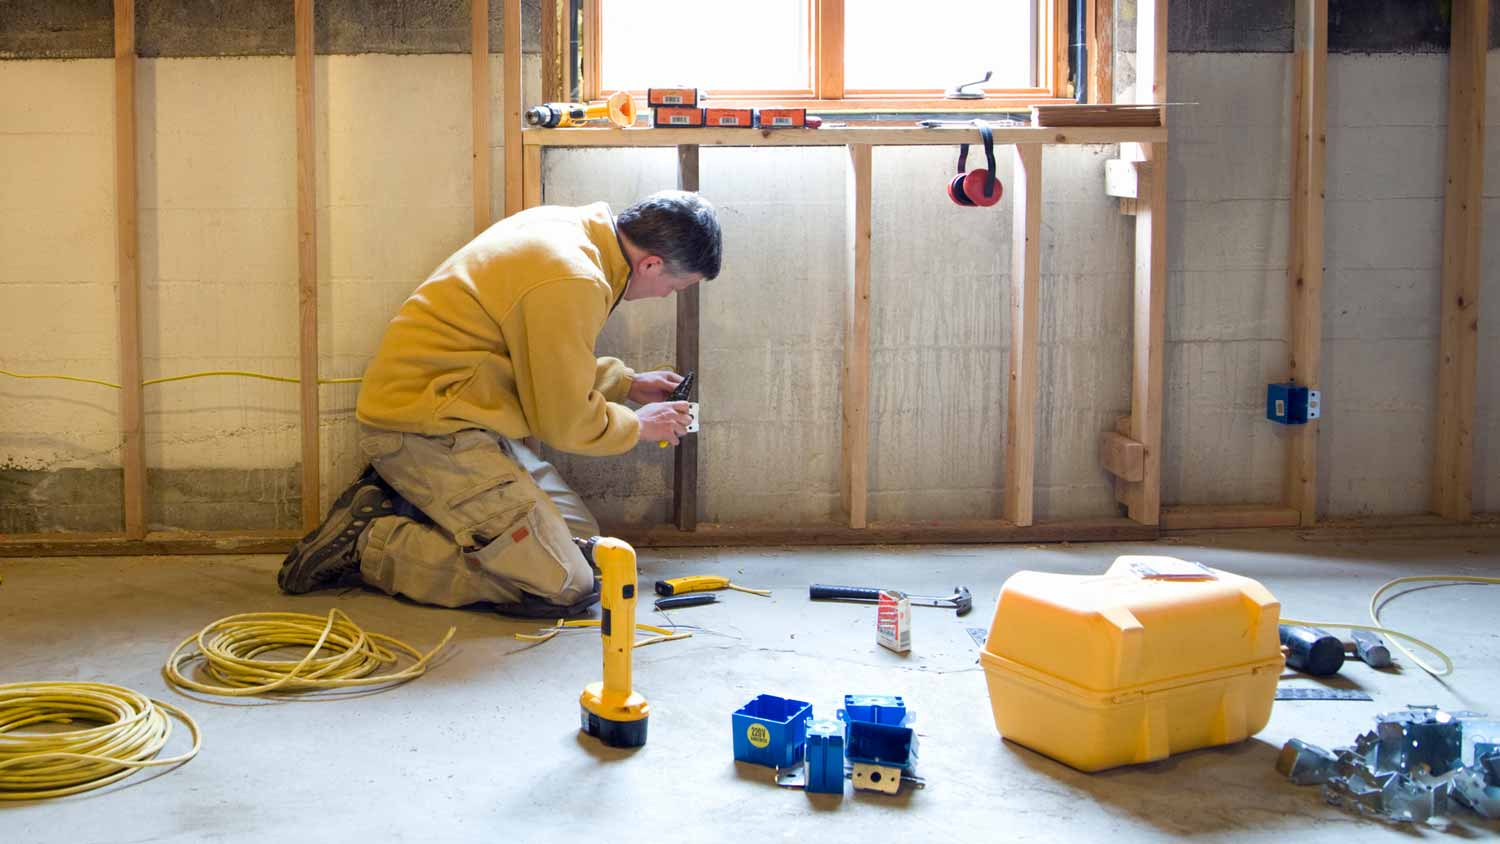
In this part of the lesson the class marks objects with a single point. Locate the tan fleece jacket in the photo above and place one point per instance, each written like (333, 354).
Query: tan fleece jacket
(501, 336)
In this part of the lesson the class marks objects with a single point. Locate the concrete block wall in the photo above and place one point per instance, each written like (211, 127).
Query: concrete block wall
(57, 289)
(1382, 285)
(218, 263)
(1487, 398)
(1229, 179)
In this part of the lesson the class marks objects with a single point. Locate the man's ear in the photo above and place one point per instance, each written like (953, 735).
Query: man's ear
(651, 264)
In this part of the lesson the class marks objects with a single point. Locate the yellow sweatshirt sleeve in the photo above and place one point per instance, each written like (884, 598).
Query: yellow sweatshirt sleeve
(613, 378)
(552, 333)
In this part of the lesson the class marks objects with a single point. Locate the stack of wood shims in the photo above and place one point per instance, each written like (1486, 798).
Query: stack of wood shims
(1109, 114)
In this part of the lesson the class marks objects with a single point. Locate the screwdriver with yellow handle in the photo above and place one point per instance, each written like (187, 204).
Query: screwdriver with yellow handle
(682, 392)
(703, 583)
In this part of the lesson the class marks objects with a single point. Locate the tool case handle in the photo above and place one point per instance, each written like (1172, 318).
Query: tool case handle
(824, 592)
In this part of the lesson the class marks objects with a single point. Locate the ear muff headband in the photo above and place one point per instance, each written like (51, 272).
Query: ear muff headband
(989, 157)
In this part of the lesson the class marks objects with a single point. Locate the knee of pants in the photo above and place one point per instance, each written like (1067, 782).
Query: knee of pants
(536, 553)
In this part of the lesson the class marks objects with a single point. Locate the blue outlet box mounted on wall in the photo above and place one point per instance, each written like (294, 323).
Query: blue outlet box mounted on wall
(1292, 404)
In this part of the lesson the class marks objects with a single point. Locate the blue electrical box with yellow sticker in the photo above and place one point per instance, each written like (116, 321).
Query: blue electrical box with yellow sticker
(1292, 404)
(771, 731)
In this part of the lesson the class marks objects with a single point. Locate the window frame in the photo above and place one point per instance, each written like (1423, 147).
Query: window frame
(825, 90)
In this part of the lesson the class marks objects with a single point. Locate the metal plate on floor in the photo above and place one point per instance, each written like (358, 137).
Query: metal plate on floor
(1284, 693)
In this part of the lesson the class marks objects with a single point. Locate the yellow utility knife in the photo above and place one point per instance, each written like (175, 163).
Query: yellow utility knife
(703, 583)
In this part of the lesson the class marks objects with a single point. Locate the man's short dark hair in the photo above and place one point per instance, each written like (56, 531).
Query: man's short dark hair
(679, 227)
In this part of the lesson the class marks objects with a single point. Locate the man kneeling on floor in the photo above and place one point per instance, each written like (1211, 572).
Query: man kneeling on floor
(498, 345)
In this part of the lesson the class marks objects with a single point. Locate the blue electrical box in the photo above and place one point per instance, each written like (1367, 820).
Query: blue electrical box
(771, 731)
(1291, 404)
(878, 709)
(825, 757)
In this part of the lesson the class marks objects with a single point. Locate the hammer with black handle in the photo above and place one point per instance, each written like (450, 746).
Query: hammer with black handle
(960, 600)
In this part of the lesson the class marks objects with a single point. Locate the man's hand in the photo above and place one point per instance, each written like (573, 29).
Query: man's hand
(651, 387)
(664, 421)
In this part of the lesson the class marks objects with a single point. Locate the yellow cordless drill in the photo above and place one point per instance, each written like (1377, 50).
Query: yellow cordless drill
(612, 711)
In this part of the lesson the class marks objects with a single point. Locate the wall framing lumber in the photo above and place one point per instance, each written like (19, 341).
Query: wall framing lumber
(855, 453)
(685, 455)
(1143, 499)
(127, 246)
(557, 31)
(1463, 217)
(829, 55)
(875, 136)
(1122, 456)
(479, 75)
(512, 95)
(1101, 50)
(1227, 517)
(1305, 246)
(307, 265)
(150, 544)
(1025, 270)
(893, 533)
(532, 177)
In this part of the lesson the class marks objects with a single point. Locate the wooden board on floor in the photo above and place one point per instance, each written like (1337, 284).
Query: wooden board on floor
(127, 243)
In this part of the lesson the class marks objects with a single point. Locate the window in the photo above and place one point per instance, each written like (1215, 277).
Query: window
(850, 54)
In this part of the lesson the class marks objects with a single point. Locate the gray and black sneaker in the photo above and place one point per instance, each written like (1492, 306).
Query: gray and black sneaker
(329, 556)
(533, 606)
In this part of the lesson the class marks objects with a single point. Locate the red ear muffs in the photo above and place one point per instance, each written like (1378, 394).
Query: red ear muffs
(979, 188)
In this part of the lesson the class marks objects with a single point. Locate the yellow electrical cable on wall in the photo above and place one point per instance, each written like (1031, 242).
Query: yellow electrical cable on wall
(1397, 635)
(213, 373)
(340, 654)
(131, 729)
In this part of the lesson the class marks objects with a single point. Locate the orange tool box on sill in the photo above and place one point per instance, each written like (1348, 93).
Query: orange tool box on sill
(1154, 657)
(740, 118)
(676, 118)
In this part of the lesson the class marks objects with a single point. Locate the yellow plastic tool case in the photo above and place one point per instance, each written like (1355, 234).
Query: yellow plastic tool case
(1126, 667)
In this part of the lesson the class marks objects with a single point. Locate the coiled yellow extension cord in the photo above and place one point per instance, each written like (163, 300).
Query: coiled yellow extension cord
(1397, 635)
(340, 655)
(132, 729)
(170, 378)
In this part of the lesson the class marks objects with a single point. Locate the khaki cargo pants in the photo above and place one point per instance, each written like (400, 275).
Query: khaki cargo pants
(502, 522)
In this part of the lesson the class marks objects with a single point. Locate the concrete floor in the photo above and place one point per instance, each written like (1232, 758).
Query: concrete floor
(486, 747)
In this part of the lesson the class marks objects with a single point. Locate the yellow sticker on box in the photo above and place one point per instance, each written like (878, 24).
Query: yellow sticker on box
(758, 735)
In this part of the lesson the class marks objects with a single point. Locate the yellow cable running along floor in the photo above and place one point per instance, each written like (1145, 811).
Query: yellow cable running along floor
(131, 729)
(340, 654)
(1396, 635)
